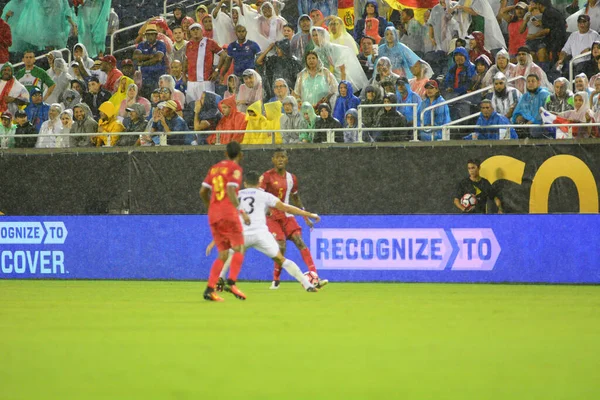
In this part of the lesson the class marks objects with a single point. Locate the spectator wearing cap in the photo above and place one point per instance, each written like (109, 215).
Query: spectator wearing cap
(592, 10)
(554, 30)
(302, 42)
(165, 119)
(97, 72)
(150, 56)
(37, 110)
(488, 116)
(127, 68)
(458, 81)
(24, 127)
(135, 121)
(109, 125)
(476, 41)
(242, 52)
(405, 95)
(525, 66)
(441, 115)
(12, 93)
(95, 96)
(514, 16)
(578, 42)
(82, 123)
(7, 128)
(199, 64)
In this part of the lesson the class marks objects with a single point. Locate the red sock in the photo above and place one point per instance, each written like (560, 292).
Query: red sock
(215, 270)
(307, 257)
(276, 271)
(236, 265)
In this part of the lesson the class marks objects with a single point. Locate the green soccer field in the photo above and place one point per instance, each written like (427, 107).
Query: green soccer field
(160, 340)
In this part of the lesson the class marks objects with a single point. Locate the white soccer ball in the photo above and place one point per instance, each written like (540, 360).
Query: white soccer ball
(468, 201)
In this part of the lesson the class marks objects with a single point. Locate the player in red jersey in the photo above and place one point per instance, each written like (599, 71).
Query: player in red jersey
(283, 226)
(223, 180)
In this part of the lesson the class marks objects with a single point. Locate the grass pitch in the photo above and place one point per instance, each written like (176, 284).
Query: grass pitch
(160, 340)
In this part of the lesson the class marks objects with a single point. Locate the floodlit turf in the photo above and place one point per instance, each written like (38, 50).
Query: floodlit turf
(160, 340)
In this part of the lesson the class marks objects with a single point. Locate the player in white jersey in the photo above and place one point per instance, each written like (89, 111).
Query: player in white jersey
(257, 203)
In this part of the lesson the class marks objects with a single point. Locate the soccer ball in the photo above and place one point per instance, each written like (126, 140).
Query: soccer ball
(312, 277)
(468, 201)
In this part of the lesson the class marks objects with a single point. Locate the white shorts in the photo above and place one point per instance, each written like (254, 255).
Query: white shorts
(263, 242)
(195, 89)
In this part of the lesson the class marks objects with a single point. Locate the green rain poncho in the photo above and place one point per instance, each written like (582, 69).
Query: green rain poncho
(43, 24)
(92, 21)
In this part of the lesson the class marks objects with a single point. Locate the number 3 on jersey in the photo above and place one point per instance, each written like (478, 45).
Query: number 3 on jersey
(248, 204)
(218, 187)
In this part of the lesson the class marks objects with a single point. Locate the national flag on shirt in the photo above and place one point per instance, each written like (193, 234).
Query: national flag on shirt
(562, 132)
(419, 6)
(346, 13)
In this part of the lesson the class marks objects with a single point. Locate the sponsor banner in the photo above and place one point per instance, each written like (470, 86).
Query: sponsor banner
(393, 248)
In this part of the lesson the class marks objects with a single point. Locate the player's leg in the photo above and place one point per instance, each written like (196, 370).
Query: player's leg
(276, 229)
(293, 269)
(223, 275)
(215, 270)
(236, 265)
(296, 237)
(266, 244)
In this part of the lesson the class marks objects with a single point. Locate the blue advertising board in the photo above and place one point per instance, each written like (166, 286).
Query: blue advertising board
(383, 248)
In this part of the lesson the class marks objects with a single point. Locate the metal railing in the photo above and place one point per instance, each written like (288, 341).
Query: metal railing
(163, 136)
(127, 28)
(464, 96)
(182, 2)
(20, 64)
(414, 106)
(572, 64)
(446, 128)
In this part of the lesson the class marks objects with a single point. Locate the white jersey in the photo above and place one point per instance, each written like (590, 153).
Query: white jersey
(256, 203)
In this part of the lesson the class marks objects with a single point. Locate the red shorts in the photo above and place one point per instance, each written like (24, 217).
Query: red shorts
(227, 234)
(283, 229)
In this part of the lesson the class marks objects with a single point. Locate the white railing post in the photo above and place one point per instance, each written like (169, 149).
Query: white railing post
(360, 124)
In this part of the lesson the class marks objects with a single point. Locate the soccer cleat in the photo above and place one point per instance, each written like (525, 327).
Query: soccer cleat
(210, 295)
(312, 289)
(321, 283)
(235, 291)
(220, 285)
(274, 285)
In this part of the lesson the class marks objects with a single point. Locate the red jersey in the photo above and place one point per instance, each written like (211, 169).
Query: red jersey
(200, 56)
(281, 187)
(222, 174)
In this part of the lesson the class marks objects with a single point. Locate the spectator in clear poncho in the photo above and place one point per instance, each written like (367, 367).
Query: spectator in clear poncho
(338, 33)
(281, 65)
(302, 42)
(309, 117)
(401, 57)
(562, 98)
(383, 74)
(290, 119)
(62, 80)
(233, 85)
(351, 122)
(339, 59)
(502, 65)
(250, 91)
(315, 83)
(48, 130)
(133, 97)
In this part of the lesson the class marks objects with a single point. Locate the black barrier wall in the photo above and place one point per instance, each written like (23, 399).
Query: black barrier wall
(355, 180)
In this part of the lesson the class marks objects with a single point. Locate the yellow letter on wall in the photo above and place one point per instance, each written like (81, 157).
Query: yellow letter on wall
(569, 167)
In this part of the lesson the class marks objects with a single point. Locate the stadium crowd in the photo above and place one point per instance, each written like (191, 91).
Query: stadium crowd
(233, 66)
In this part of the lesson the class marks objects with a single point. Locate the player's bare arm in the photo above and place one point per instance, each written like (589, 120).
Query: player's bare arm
(297, 201)
(296, 211)
(205, 196)
(232, 195)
